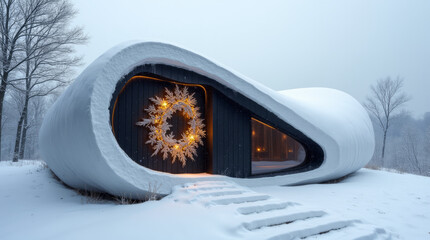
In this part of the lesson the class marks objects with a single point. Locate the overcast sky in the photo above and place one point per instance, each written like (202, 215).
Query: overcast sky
(340, 44)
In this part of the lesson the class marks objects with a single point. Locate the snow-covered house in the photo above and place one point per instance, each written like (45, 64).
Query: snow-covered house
(146, 114)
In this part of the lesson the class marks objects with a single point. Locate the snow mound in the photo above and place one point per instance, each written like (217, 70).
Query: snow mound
(76, 139)
(368, 205)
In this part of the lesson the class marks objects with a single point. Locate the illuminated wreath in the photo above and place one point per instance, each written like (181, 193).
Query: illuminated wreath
(158, 125)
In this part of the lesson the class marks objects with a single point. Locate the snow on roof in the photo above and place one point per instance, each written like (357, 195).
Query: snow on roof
(76, 139)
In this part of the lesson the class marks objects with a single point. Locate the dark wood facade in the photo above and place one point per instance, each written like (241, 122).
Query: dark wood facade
(129, 109)
(227, 114)
(231, 148)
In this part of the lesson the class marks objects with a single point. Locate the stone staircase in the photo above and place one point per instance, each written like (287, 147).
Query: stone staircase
(260, 216)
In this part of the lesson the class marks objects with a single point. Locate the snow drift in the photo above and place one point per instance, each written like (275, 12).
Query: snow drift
(76, 139)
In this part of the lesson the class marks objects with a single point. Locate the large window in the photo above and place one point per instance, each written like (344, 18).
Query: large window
(273, 150)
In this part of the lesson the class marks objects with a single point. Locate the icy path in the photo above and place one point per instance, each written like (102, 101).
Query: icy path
(260, 216)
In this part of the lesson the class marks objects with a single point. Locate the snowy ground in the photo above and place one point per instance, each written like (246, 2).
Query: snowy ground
(33, 205)
(399, 203)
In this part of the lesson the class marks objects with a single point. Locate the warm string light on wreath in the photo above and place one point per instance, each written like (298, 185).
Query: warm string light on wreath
(157, 123)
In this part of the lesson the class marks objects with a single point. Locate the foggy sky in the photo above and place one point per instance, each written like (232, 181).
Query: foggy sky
(346, 45)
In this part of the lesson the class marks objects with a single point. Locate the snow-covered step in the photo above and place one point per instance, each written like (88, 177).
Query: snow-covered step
(280, 217)
(265, 207)
(302, 228)
(209, 188)
(209, 184)
(260, 216)
(353, 232)
(217, 193)
(220, 193)
(239, 200)
(310, 231)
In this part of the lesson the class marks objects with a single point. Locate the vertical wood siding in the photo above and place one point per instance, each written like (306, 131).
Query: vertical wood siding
(231, 137)
(130, 109)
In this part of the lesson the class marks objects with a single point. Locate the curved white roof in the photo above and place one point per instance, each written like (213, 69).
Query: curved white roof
(76, 139)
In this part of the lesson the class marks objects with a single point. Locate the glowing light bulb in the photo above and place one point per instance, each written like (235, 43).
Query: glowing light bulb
(164, 104)
(176, 146)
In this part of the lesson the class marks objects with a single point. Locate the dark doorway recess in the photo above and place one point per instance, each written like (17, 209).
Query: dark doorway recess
(228, 118)
(129, 108)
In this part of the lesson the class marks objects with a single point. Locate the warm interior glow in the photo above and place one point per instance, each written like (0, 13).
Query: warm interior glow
(273, 150)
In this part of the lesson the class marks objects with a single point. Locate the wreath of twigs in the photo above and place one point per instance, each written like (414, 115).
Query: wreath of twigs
(158, 124)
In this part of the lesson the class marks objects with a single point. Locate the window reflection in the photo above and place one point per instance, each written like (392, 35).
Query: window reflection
(273, 150)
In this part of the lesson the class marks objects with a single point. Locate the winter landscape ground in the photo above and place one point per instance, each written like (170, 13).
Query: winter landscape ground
(370, 203)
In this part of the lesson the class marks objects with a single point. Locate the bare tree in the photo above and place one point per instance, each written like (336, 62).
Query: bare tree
(15, 16)
(36, 110)
(49, 49)
(385, 99)
(426, 146)
(3, 122)
(411, 148)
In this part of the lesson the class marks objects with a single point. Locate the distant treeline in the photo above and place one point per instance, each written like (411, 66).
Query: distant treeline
(407, 147)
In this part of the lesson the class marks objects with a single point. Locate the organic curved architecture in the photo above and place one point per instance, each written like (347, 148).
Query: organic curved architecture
(152, 114)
